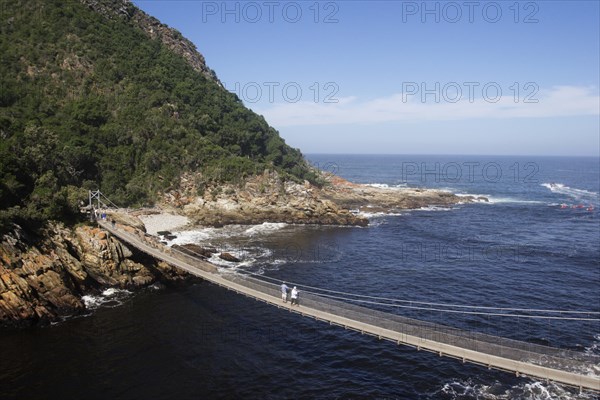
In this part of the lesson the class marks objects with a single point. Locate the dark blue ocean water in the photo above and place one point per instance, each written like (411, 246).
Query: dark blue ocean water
(521, 249)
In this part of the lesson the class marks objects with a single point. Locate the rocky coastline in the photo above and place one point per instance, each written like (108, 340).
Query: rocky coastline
(45, 274)
(270, 198)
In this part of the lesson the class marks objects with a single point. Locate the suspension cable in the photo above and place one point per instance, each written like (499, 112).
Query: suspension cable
(386, 302)
(429, 303)
(456, 311)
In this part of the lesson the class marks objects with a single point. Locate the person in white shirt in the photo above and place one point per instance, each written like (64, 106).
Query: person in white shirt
(295, 293)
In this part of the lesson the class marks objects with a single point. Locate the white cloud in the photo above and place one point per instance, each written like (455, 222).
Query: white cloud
(558, 101)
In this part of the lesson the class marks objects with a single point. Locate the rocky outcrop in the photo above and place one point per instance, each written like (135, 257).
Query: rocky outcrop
(264, 198)
(171, 38)
(388, 200)
(270, 198)
(43, 276)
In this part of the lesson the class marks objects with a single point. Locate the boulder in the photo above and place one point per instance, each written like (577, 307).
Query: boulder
(205, 252)
(229, 257)
(194, 250)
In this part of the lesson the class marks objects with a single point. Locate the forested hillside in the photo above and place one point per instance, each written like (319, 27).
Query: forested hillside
(92, 101)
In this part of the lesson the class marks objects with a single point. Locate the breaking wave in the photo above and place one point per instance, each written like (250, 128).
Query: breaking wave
(464, 390)
(265, 227)
(381, 214)
(387, 186)
(203, 235)
(577, 194)
(435, 208)
(110, 298)
(498, 200)
(479, 198)
(594, 349)
(249, 256)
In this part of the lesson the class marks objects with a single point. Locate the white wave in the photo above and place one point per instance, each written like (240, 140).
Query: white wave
(594, 348)
(475, 198)
(381, 214)
(248, 256)
(111, 297)
(156, 286)
(527, 391)
(386, 186)
(435, 208)
(499, 200)
(92, 302)
(379, 185)
(204, 235)
(278, 261)
(578, 194)
(470, 195)
(264, 228)
(215, 259)
(115, 292)
(192, 236)
(478, 198)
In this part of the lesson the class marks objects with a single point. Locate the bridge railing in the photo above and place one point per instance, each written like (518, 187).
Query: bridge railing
(493, 345)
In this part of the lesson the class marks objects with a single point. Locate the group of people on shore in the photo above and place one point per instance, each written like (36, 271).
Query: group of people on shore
(293, 294)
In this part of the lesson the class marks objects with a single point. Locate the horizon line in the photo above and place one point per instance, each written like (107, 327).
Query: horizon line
(452, 154)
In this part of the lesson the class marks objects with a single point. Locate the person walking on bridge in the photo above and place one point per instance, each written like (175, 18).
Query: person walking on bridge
(295, 293)
(284, 292)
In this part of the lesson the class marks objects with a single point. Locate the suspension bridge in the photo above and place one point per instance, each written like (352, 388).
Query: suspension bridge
(520, 358)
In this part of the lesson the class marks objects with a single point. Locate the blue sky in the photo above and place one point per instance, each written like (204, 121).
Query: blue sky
(406, 77)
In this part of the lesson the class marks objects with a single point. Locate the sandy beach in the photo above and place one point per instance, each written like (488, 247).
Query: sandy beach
(163, 222)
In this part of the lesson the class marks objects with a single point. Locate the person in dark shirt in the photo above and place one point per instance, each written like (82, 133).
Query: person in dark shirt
(284, 292)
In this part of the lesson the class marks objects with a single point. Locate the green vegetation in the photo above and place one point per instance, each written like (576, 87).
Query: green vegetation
(87, 102)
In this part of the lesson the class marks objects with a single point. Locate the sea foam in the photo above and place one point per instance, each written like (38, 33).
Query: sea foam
(535, 390)
(111, 297)
(265, 227)
(577, 194)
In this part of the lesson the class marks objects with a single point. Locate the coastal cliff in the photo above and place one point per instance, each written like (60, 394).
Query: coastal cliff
(44, 275)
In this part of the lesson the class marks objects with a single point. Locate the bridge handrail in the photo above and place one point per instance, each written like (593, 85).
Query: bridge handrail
(503, 347)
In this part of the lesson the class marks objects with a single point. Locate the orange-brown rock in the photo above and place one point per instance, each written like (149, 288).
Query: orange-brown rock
(44, 276)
